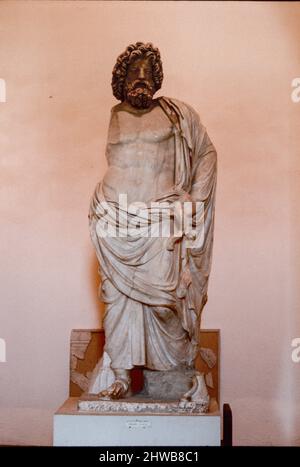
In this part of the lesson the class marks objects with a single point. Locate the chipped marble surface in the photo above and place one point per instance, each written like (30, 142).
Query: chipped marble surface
(79, 343)
(141, 405)
(208, 356)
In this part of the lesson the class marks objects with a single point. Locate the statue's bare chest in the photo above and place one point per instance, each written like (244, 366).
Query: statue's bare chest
(140, 154)
(149, 128)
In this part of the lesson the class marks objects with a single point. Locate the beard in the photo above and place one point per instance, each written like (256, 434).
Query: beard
(139, 94)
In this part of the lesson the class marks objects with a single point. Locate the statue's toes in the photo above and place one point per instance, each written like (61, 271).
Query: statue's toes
(116, 393)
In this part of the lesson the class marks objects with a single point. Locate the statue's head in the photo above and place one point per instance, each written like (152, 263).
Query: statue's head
(137, 75)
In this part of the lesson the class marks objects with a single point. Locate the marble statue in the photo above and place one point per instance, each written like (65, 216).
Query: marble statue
(160, 159)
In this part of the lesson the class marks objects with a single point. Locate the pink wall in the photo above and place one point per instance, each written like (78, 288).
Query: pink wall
(234, 62)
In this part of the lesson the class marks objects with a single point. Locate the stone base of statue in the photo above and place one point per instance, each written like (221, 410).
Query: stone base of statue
(168, 408)
(187, 394)
(141, 405)
(134, 421)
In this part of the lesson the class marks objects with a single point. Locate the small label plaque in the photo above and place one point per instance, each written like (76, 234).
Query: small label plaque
(138, 424)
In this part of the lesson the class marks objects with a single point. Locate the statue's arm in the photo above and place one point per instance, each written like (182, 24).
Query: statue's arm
(204, 161)
(204, 178)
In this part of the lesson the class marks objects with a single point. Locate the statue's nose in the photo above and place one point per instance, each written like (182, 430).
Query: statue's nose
(141, 73)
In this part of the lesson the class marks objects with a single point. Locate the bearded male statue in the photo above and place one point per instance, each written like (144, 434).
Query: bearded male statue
(160, 158)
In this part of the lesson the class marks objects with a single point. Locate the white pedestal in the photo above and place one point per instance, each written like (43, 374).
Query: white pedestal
(74, 428)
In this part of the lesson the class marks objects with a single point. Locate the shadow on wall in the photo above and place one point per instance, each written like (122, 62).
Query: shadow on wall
(289, 19)
(95, 283)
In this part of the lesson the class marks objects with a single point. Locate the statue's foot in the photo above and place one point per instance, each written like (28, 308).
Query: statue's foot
(198, 391)
(119, 388)
(189, 394)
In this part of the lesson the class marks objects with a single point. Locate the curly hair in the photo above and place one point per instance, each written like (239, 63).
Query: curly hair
(132, 52)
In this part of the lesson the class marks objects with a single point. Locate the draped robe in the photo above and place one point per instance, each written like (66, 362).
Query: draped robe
(154, 293)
